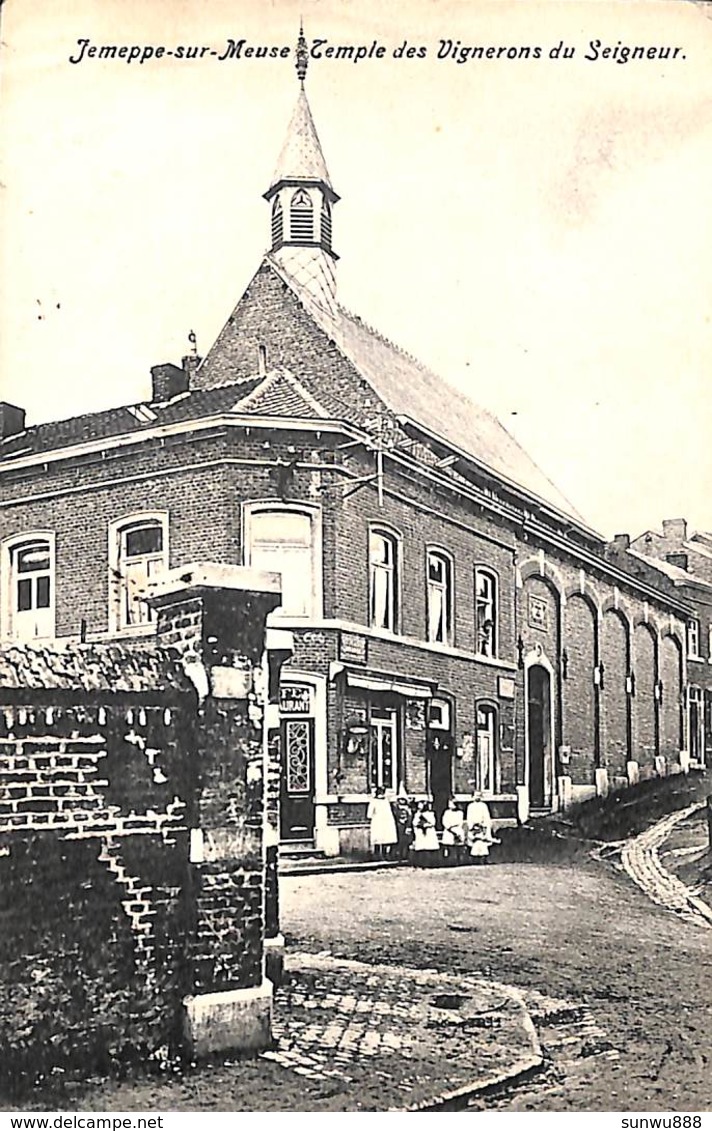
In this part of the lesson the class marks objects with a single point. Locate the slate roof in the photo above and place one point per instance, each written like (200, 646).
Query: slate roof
(410, 389)
(675, 573)
(91, 668)
(121, 421)
(301, 157)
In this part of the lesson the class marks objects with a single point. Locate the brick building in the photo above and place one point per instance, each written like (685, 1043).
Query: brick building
(456, 623)
(686, 559)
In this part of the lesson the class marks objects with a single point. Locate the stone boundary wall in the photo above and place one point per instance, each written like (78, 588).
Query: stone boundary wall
(132, 846)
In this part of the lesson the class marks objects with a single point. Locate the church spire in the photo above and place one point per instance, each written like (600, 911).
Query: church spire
(302, 197)
(302, 55)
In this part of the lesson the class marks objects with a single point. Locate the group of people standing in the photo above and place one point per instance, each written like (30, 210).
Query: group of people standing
(406, 829)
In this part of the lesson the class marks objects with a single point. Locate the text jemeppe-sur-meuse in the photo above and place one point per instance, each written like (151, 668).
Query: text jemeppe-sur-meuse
(454, 50)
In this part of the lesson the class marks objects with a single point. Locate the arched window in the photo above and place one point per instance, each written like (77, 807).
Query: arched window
(301, 216)
(485, 613)
(325, 222)
(283, 540)
(383, 579)
(439, 568)
(138, 552)
(29, 606)
(277, 223)
(486, 749)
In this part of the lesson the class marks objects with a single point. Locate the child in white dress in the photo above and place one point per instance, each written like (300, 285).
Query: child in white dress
(479, 829)
(383, 825)
(425, 837)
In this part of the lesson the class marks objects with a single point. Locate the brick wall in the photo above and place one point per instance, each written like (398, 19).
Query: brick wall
(615, 700)
(97, 786)
(145, 771)
(617, 690)
(579, 706)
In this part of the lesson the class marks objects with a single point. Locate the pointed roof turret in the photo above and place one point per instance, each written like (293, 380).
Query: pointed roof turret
(302, 197)
(301, 158)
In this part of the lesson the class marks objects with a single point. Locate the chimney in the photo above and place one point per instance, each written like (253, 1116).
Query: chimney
(190, 363)
(675, 529)
(621, 541)
(12, 420)
(168, 381)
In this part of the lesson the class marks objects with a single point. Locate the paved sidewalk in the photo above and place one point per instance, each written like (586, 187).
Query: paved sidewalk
(395, 1038)
(642, 863)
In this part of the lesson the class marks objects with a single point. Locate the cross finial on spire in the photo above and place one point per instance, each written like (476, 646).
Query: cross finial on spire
(302, 54)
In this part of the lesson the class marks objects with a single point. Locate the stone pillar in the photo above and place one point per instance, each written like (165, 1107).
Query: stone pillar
(601, 779)
(522, 804)
(214, 616)
(564, 792)
(279, 647)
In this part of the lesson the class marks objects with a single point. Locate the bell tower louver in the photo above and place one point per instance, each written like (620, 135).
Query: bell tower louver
(302, 198)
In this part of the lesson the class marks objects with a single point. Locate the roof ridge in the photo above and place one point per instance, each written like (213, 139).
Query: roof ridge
(388, 341)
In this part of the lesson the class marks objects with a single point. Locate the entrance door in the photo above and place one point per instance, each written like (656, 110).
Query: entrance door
(384, 761)
(539, 734)
(439, 755)
(297, 785)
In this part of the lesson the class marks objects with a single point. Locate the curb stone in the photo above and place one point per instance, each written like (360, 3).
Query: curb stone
(522, 1070)
(529, 1054)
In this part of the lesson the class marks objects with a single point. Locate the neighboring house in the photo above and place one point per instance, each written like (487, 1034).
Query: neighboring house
(457, 624)
(687, 560)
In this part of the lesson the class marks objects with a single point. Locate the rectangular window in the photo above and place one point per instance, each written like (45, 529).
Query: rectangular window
(282, 541)
(485, 613)
(693, 639)
(439, 598)
(383, 568)
(31, 613)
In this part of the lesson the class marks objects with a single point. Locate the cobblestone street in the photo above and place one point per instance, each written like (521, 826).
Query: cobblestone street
(632, 1030)
(418, 1035)
(562, 982)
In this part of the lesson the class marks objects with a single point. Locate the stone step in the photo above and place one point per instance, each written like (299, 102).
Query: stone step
(299, 850)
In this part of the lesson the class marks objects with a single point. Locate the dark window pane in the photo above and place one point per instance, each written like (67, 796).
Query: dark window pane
(42, 592)
(24, 595)
(144, 540)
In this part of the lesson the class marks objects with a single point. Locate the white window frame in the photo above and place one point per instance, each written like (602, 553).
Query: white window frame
(445, 590)
(693, 639)
(314, 514)
(118, 620)
(485, 571)
(391, 572)
(10, 547)
(492, 754)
